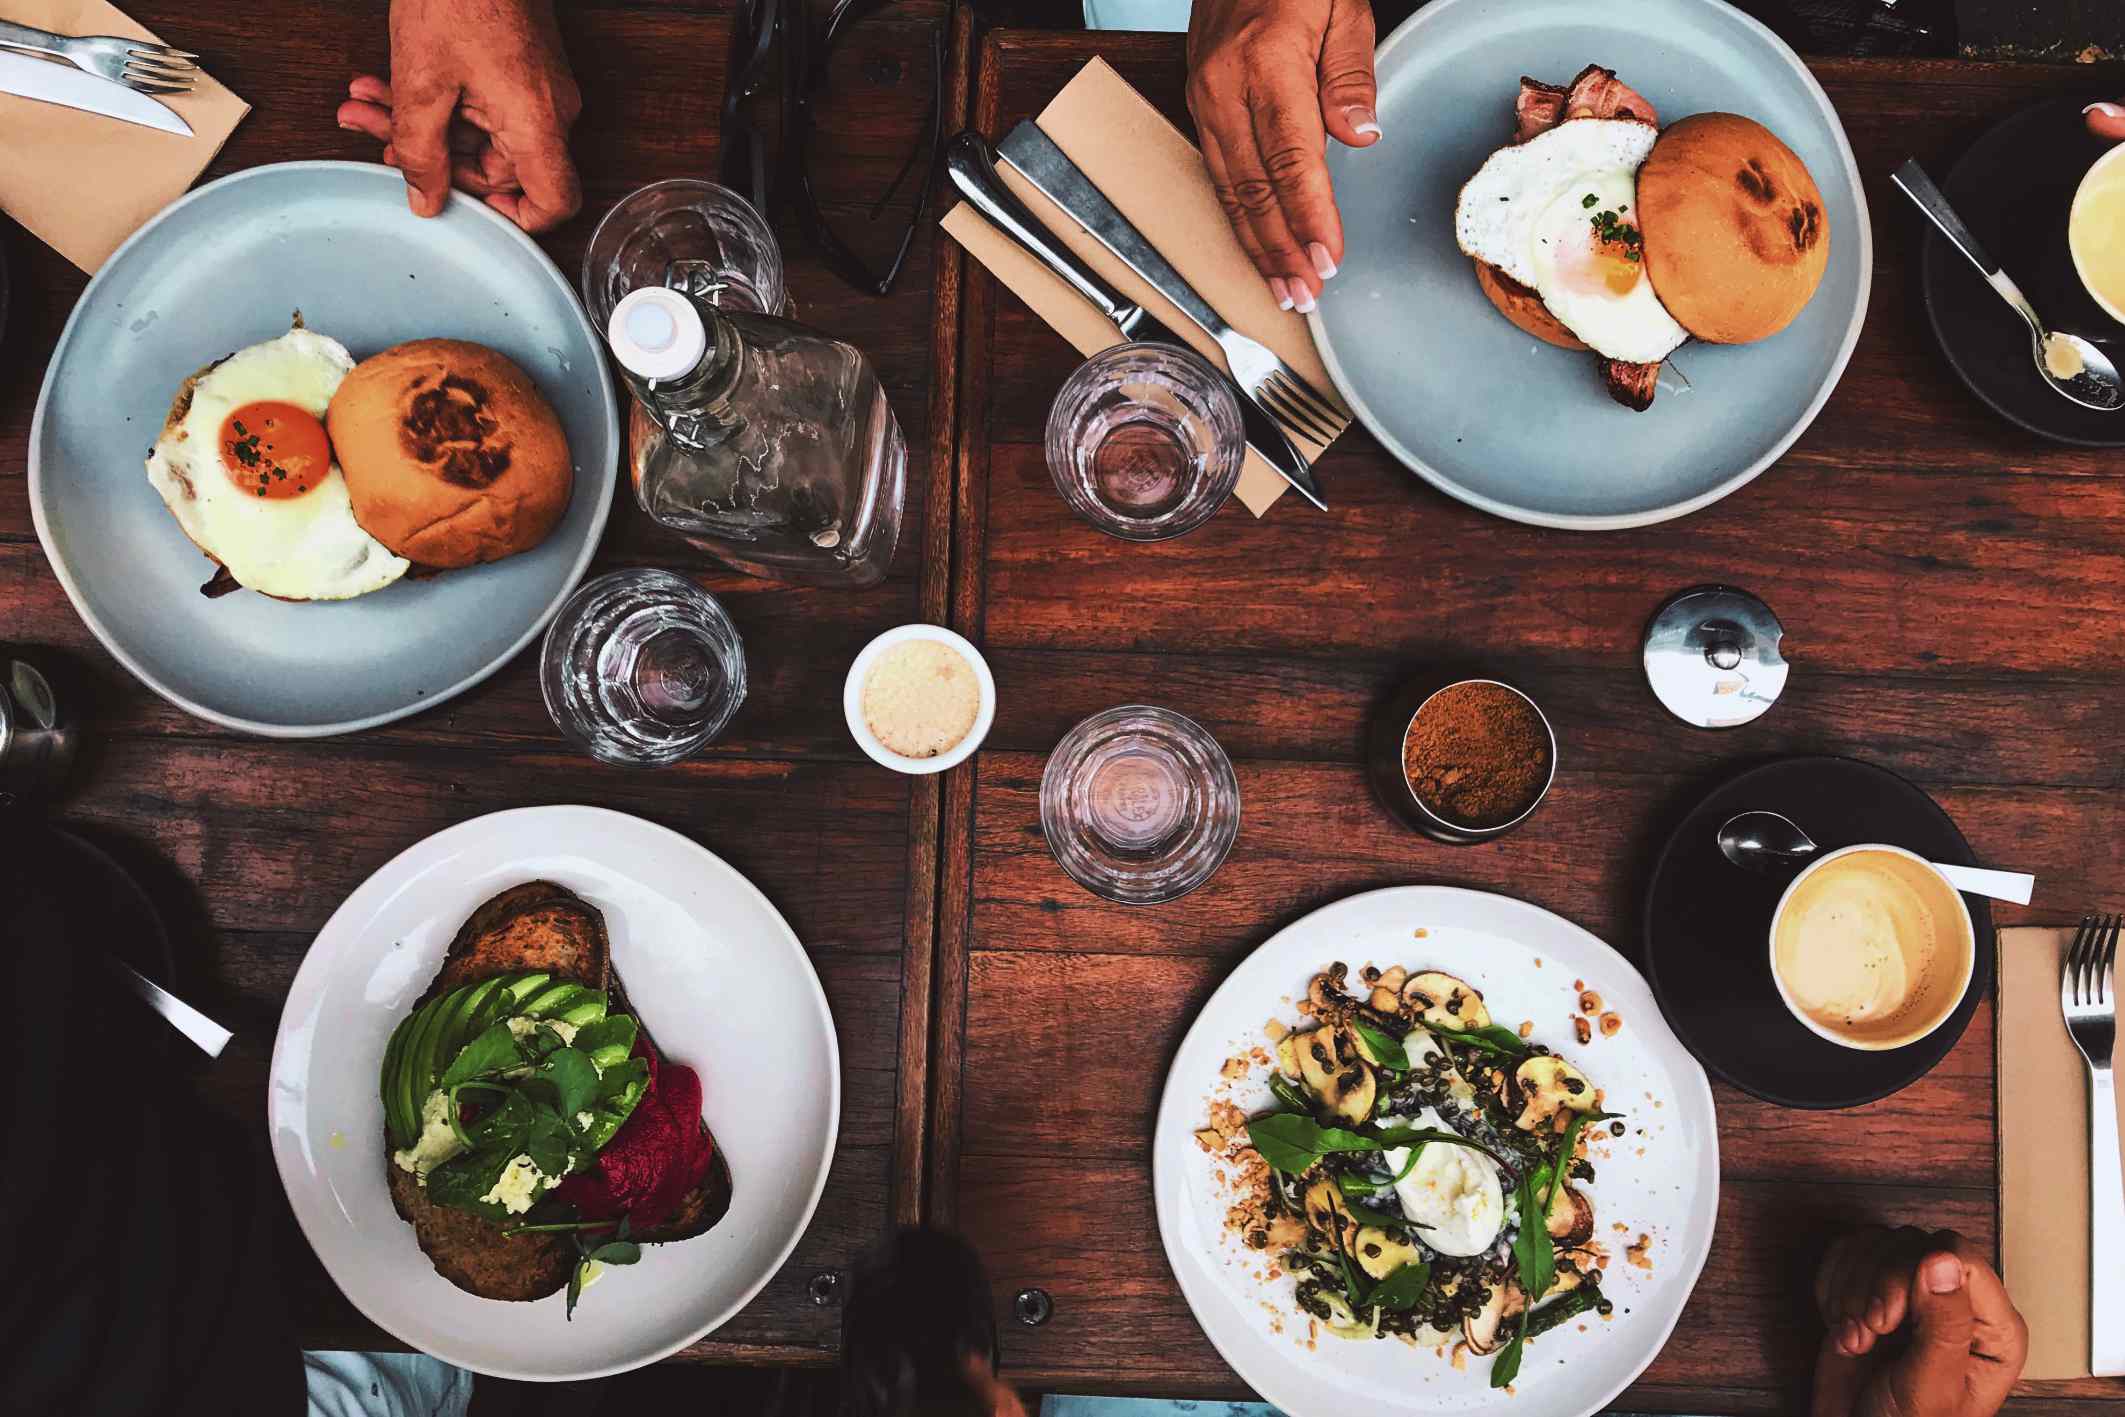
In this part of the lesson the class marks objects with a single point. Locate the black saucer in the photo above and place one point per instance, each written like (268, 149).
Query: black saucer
(2013, 189)
(1707, 928)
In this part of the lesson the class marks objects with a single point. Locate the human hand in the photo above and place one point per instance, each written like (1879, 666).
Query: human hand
(1269, 81)
(2106, 120)
(479, 96)
(1966, 1341)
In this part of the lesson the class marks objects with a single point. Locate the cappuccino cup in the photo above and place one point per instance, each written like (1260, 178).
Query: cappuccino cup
(2095, 232)
(1871, 947)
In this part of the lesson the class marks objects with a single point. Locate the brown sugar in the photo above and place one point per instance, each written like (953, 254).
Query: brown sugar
(1477, 754)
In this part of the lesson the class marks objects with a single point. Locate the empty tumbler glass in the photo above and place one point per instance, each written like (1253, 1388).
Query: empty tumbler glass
(1139, 804)
(690, 235)
(642, 668)
(1145, 441)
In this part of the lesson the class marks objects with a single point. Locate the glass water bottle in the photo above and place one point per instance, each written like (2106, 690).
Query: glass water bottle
(764, 442)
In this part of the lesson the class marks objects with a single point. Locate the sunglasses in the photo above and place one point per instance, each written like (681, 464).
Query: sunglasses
(764, 28)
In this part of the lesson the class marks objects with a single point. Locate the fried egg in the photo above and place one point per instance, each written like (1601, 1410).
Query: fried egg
(247, 470)
(1558, 214)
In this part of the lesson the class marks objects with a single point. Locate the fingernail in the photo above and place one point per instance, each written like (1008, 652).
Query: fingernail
(1362, 122)
(1281, 291)
(1302, 298)
(2108, 110)
(348, 127)
(1944, 1274)
(1321, 262)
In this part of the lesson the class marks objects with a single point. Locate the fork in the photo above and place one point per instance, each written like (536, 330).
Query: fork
(136, 63)
(1275, 385)
(2086, 997)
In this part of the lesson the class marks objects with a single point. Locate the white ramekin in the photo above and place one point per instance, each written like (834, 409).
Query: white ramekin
(852, 701)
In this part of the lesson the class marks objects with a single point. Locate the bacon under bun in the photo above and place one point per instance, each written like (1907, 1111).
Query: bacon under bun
(1521, 305)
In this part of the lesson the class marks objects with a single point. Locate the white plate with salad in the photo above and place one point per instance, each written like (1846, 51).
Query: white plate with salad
(713, 971)
(1427, 1143)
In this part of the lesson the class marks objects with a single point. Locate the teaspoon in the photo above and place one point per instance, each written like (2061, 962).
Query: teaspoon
(1773, 845)
(2070, 364)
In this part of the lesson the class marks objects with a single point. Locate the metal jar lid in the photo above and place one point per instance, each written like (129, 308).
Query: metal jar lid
(1712, 657)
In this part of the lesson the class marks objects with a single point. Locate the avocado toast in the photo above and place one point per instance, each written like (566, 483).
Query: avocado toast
(516, 1078)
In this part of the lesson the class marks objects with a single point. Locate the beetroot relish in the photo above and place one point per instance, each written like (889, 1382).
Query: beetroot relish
(654, 1160)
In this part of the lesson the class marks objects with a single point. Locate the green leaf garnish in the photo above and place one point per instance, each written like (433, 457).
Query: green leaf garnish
(1387, 1050)
(1404, 1289)
(1492, 1038)
(1507, 1365)
(492, 1053)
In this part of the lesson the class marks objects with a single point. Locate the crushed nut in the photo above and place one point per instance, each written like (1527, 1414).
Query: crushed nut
(1210, 1141)
(1589, 1002)
(1527, 1028)
(1234, 1068)
(1276, 1030)
(1583, 1029)
(1611, 1024)
(1640, 1254)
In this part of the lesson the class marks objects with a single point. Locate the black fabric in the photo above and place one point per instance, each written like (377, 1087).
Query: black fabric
(139, 1225)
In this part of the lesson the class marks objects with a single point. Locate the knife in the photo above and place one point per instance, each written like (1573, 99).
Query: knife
(971, 164)
(47, 82)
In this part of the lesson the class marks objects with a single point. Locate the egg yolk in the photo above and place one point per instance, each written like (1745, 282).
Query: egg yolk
(274, 450)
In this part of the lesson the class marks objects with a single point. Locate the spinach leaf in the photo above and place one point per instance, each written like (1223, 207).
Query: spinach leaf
(1386, 1050)
(1532, 1249)
(1492, 1038)
(493, 1052)
(1401, 1291)
(608, 1041)
(620, 1089)
(1507, 1365)
(1288, 1141)
(1415, 1137)
(1288, 1093)
(574, 1078)
(1562, 1166)
(461, 1181)
(547, 1142)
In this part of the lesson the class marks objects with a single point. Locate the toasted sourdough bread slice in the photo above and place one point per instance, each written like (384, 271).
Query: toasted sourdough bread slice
(534, 926)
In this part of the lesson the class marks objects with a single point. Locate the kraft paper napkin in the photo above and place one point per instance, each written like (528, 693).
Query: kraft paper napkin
(83, 183)
(1157, 178)
(2043, 1112)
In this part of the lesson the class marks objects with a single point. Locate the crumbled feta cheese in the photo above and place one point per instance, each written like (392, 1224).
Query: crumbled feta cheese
(524, 1027)
(437, 1142)
(519, 1185)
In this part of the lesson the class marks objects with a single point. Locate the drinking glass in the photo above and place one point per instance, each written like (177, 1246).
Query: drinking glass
(642, 668)
(1145, 441)
(1139, 804)
(690, 235)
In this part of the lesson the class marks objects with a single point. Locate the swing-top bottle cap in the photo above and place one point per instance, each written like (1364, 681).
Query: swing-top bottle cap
(657, 333)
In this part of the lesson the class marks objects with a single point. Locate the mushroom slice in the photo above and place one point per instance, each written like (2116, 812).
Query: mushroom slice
(1326, 994)
(1483, 1327)
(1325, 1210)
(1549, 1085)
(1387, 989)
(1445, 1001)
(1351, 1093)
(1381, 1254)
(1572, 1268)
(1571, 1217)
(1319, 1058)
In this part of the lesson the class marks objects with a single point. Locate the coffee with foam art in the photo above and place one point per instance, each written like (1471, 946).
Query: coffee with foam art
(1872, 948)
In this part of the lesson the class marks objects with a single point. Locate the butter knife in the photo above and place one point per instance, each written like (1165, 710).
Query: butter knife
(47, 82)
(971, 164)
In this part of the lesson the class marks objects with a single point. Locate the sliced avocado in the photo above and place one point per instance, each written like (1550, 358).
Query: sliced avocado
(589, 1010)
(552, 999)
(460, 1029)
(421, 1068)
(410, 1083)
(396, 1122)
(497, 1006)
(523, 986)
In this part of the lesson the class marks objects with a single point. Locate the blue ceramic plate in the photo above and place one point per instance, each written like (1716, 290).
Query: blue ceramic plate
(224, 268)
(1496, 418)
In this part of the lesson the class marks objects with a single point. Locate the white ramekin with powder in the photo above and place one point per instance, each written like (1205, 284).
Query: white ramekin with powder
(919, 699)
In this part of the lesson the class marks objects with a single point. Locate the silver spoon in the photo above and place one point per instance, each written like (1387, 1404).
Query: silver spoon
(2070, 364)
(1772, 845)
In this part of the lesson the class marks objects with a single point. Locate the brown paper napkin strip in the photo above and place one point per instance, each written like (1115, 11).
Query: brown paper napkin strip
(83, 183)
(2043, 1118)
(1149, 170)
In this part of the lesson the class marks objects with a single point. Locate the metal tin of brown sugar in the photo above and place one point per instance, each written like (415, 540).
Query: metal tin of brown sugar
(1390, 777)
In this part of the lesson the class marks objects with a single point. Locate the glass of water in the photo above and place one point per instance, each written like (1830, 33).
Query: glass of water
(690, 235)
(642, 668)
(1145, 441)
(1139, 804)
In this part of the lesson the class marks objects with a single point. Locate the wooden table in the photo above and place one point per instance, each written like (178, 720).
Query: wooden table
(1946, 581)
(249, 845)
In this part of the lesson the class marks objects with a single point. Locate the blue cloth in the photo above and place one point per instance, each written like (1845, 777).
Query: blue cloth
(385, 1385)
(1151, 1407)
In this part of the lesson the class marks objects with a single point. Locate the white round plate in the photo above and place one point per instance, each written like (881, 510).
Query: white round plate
(223, 268)
(718, 979)
(1663, 1183)
(1495, 417)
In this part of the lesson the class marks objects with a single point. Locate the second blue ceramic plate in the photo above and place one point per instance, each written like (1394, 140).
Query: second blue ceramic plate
(1496, 418)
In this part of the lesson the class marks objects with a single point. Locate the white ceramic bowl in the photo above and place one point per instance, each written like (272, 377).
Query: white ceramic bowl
(852, 700)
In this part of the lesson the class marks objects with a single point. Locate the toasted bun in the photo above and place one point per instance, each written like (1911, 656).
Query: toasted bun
(451, 454)
(1736, 239)
(1521, 305)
